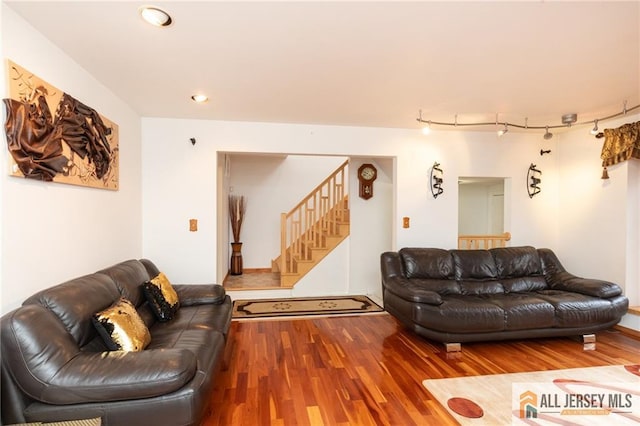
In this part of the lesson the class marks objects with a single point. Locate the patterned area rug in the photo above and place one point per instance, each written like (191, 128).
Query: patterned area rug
(578, 396)
(88, 422)
(338, 305)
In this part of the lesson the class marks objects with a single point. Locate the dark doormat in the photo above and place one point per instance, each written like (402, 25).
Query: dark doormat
(333, 305)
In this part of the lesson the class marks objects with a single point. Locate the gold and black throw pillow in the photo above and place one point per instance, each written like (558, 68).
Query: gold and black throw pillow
(121, 327)
(162, 297)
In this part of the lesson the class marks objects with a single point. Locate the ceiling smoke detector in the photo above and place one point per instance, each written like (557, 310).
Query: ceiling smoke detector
(569, 119)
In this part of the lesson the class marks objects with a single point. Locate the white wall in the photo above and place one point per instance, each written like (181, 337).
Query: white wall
(55, 232)
(180, 181)
(599, 220)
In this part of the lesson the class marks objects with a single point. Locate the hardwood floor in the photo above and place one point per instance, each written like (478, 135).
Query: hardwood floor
(367, 370)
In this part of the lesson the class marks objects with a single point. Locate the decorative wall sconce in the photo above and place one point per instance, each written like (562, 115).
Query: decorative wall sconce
(436, 179)
(533, 180)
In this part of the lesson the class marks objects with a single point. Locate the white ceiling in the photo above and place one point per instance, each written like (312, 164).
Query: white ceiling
(357, 63)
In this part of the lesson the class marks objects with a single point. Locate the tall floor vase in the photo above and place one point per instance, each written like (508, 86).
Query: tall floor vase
(236, 259)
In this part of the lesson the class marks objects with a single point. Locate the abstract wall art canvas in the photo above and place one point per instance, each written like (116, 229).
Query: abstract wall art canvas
(51, 136)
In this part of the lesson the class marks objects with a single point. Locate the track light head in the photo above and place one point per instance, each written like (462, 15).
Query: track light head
(547, 134)
(594, 131)
(501, 132)
(569, 119)
(426, 129)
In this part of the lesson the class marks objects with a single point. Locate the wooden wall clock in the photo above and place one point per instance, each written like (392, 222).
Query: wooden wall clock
(367, 173)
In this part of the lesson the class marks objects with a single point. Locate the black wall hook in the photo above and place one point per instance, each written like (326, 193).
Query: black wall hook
(193, 141)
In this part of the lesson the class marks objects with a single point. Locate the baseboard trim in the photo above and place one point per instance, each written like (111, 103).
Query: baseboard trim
(628, 331)
(634, 310)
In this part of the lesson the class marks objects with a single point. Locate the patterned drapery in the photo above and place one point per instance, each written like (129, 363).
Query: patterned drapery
(621, 144)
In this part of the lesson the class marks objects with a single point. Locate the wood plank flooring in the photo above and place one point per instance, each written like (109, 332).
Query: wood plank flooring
(367, 370)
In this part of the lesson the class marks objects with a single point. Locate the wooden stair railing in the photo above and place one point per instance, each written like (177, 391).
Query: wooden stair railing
(313, 225)
(469, 242)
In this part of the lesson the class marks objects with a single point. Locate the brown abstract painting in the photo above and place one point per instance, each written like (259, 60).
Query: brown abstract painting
(53, 137)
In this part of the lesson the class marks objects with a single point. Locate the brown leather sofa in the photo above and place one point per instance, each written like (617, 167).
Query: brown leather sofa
(56, 367)
(457, 296)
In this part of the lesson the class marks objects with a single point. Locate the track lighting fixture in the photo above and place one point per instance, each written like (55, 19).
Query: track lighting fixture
(501, 132)
(427, 128)
(567, 120)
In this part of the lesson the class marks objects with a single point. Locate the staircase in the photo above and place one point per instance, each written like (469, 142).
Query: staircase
(313, 228)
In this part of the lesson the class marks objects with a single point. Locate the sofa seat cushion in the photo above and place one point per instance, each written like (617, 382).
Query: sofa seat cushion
(481, 287)
(525, 311)
(461, 314)
(198, 317)
(524, 284)
(206, 345)
(578, 310)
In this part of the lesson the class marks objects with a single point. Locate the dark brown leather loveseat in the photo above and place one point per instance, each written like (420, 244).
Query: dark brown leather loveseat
(55, 366)
(456, 296)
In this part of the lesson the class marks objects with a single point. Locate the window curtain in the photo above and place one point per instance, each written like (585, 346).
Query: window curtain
(621, 144)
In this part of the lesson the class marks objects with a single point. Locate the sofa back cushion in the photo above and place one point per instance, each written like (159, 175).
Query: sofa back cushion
(152, 269)
(474, 265)
(427, 263)
(74, 303)
(514, 262)
(129, 277)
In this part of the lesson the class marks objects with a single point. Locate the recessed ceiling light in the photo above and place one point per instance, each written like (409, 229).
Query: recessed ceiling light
(200, 98)
(155, 16)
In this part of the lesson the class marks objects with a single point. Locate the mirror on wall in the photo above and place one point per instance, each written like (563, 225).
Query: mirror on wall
(481, 205)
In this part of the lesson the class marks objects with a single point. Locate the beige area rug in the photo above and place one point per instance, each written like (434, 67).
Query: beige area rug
(338, 305)
(580, 396)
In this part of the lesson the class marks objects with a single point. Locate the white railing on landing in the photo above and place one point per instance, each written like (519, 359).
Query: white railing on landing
(470, 242)
(317, 215)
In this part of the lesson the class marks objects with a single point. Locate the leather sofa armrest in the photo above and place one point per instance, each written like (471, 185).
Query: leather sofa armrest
(559, 279)
(117, 375)
(411, 292)
(590, 287)
(200, 294)
(391, 265)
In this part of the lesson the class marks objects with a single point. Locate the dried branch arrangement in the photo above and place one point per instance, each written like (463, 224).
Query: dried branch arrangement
(237, 208)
